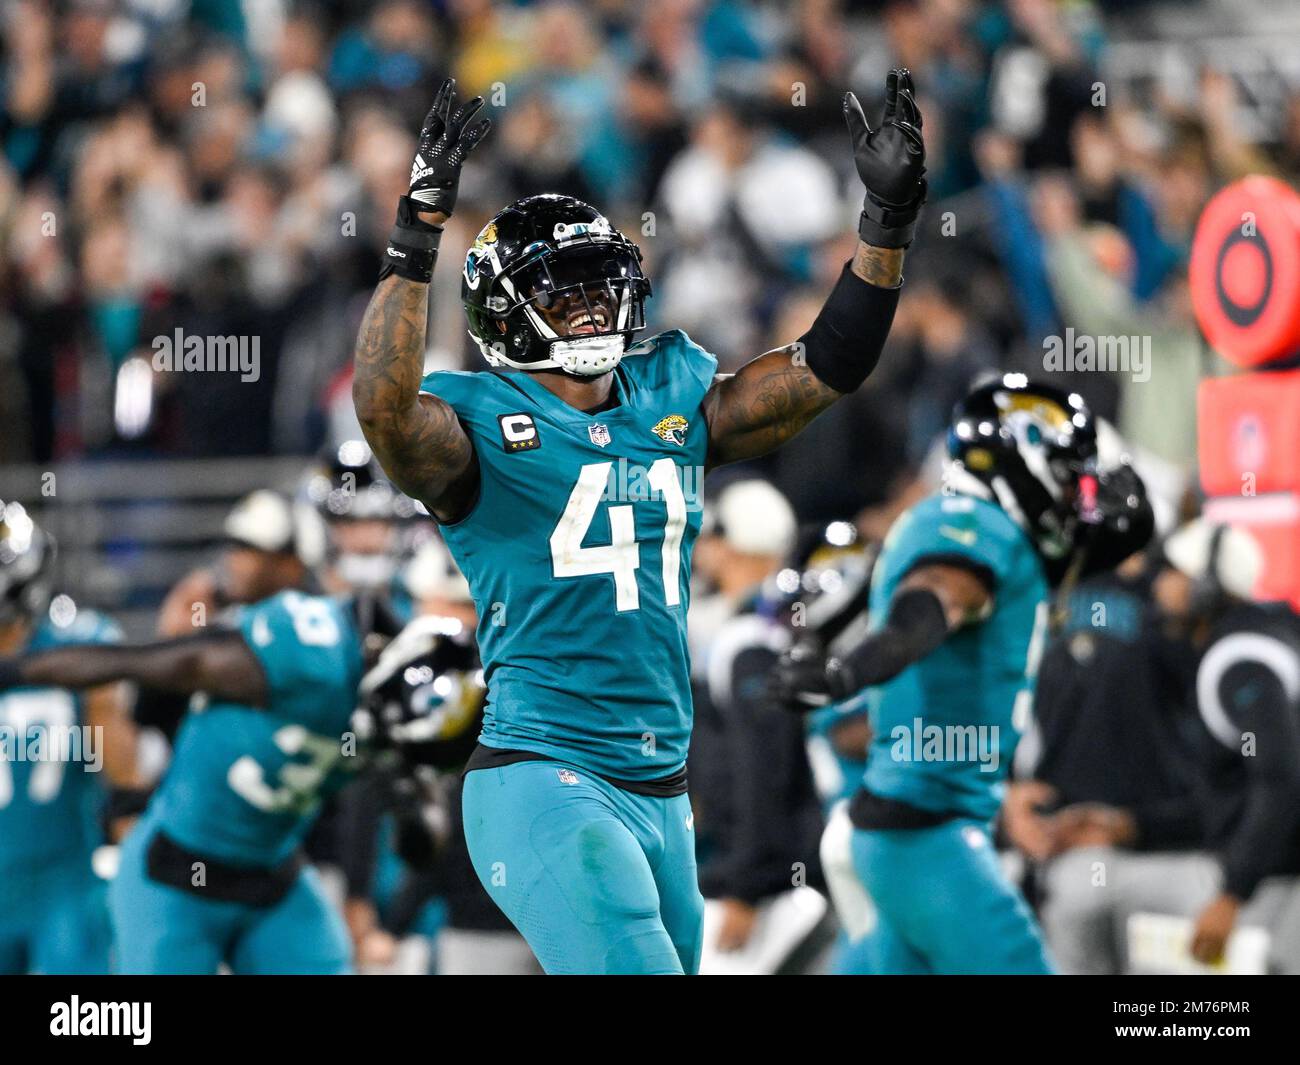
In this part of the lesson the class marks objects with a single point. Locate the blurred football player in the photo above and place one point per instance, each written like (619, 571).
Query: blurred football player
(260, 557)
(53, 913)
(363, 521)
(213, 872)
(575, 805)
(959, 611)
(1247, 692)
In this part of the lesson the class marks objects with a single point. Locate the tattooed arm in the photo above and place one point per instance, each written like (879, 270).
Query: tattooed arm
(772, 398)
(417, 437)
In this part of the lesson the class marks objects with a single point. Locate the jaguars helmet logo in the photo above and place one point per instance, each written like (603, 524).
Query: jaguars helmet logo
(483, 248)
(672, 429)
(486, 237)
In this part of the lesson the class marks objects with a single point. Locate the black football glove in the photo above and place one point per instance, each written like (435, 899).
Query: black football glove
(804, 678)
(444, 145)
(891, 164)
(435, 178)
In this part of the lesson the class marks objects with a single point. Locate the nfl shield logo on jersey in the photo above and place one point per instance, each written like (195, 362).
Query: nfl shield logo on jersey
(599, 434)
(567, 776)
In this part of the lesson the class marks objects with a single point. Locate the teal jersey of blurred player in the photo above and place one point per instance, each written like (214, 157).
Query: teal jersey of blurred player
(836, 775)
(577, 553)
(50, 785)
(245, 783)
(945, 728)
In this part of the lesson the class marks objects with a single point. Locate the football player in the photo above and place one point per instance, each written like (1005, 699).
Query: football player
(566, 493)
(959, 611)
(259, 558)
(213, 872)
(53, 914)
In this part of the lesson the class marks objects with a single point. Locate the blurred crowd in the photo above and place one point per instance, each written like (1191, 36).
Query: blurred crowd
(231, 170)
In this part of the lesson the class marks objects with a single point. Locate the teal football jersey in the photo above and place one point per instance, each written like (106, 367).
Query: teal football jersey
(946, 727)
(836, 775)
(246, 783)
(51, 767)
(577, 553)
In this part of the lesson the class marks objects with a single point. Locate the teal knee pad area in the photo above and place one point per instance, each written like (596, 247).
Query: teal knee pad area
(595, 878)
(944, 905)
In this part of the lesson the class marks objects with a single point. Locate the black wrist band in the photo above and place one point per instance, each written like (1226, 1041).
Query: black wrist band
(412, 247)
(881, 235)
(884, 225)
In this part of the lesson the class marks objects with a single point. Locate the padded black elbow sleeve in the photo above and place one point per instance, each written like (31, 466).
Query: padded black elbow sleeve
(844, 343)
(916, 625)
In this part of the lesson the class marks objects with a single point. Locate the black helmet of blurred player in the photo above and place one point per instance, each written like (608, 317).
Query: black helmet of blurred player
(422, 700)
(549, 284)
(1032, 449)
(825, 583)
(26, 565)
(362, 515)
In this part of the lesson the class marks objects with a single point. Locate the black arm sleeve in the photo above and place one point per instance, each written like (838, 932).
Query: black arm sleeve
(219, 663)
(1256, 701)
(845, 341)
(916, 626)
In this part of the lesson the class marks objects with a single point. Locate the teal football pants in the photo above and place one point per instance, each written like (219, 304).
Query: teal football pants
(596, 879)
(161, 929)
(943, 904)
(53, 919)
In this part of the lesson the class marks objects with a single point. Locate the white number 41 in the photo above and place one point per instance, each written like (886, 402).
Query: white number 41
(621, 556)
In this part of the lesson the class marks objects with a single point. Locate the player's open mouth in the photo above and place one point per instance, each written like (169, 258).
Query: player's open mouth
(587, 322)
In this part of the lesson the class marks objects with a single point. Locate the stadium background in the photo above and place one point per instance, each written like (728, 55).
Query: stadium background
(229, 169)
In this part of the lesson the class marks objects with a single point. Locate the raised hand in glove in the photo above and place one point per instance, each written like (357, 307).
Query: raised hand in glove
(445, 142)
(891, 163)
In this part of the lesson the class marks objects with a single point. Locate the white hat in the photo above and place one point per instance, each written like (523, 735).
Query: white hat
(433, 572)
(754, 518)
(1238, 559)
(261, 520)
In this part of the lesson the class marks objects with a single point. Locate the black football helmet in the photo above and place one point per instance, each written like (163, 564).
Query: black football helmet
(824, 583)
(348, 484)
(1032, 449)
(547, 251)
(344, 489)
(26, 565)
(422, 700)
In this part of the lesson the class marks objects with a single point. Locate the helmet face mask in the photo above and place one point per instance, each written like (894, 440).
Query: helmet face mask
(549, 285)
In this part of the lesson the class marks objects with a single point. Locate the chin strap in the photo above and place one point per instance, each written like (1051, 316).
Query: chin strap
(588, 356)
(579, 356)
